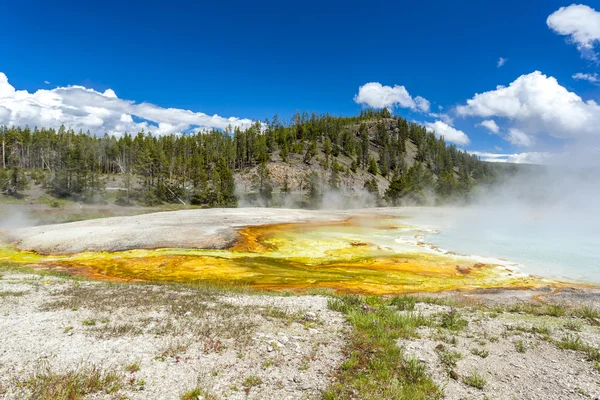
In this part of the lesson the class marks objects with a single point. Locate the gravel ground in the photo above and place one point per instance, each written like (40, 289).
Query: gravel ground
(516, 354)
(233, 346)
(164, 340)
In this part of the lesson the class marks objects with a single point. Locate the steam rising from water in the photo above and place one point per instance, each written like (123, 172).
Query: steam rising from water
(13, 217)
(546, 218)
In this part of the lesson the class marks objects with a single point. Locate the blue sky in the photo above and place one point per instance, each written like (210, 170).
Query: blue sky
(250, 60)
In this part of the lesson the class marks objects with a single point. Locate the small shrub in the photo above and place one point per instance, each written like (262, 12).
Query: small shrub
(573, 325)
(555, 310)
(344, 304)
(198, 393)
(251, 381)
(588, 312)
(453, 321)
(404, 303)
(542, 330)
(449, 358)
(483, 353)
(475, 380)
(570, 342)
(133, 367)
(414, 371)
(520, 346)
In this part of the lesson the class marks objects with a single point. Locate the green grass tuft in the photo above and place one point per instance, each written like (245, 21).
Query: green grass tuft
(375, 366)
(452, 320)
(475, 380)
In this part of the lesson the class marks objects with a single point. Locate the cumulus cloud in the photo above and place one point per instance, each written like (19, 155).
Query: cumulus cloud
(591, 78)
(78, 107)
(376, 95)
(422, 103)
(444, 117)
(517, 158)
(537, 104)
(501, 62)
(519, 138)
(581, 24)
(490, 125)
(449, 133)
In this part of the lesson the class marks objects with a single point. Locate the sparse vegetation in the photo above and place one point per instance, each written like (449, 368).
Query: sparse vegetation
(475, 380)
(404, 303)
(76, 384)
(589, 313)
(375, 366)
(441, 336)
(133, 367)
(198, 393)
(449, 358)
(520, 346)
(573, 325)
(452, 320)
(4, 294)
(570, 342)
(250, 382)
(481, 352)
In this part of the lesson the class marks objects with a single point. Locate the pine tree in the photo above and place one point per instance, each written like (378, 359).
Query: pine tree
(372, 166)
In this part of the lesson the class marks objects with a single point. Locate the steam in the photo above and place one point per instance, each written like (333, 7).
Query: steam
(14, 217)
(543, 217)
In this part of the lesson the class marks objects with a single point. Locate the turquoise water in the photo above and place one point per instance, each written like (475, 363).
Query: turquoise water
(546, 242)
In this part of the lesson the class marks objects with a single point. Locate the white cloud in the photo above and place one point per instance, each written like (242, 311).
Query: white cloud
(47, 82)
(444, 117)
(519, 138)
(490, 125)
(376, 95)
(82, 108)
(422, 103)
(592, 78)
(449, 133)
(581, 24)
(518, 158)
(501, 62)
(537, 104)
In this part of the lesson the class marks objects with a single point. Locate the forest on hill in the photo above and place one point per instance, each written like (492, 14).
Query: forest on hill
(390, 159)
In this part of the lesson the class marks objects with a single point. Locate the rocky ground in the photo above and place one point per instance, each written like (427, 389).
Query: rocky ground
(510, 355)
(168, 342)
(159, 342)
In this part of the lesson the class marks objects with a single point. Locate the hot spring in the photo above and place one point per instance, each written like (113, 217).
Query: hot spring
(543, 241)
(368, 253)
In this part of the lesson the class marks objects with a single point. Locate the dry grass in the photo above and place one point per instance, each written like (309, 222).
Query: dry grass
(46, 383)
(5, 294)
(198, 393)
(182, 311)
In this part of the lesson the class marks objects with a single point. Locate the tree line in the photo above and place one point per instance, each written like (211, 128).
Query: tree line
(199, 168)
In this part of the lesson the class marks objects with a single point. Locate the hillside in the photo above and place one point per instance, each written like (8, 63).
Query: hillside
(373, 158)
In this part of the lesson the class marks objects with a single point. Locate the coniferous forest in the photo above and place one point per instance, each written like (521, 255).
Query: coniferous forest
(401, 160)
